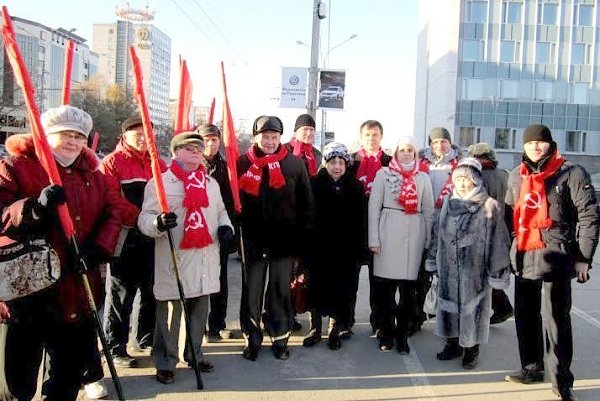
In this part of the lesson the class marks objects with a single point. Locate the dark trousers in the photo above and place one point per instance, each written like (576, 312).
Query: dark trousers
(278, 302)
(559, 339)
(374, 317)
(395, 316)
(218, 301)
(500, 302)
(68, 347)
(133, 270)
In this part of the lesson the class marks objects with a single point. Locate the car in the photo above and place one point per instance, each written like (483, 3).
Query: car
(332, 93)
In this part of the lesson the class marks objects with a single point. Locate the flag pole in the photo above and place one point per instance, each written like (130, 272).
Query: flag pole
(44, 154)
(66, 93)
(162, 199)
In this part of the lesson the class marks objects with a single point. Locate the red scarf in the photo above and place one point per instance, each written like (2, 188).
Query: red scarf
(369, 166)
(531, 210)
(407, 198)
(305, 150)
(250, 180)
(195, 232)
(447, 188)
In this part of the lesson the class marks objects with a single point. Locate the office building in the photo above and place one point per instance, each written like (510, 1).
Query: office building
(43, 50)
(487, 69)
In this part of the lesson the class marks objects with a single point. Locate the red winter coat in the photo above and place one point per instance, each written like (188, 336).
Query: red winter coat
(91, 202)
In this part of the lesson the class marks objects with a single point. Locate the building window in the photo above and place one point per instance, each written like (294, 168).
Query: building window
(472, 89)
(579, 93)
(469, 136)
(509, 89)
(509, 51)
(580, 53)
(583, 14)
(544, 91)
(477, 11)
(575, 141)
(472, 50)
(547, 13)
(511, 12)
(544, 52)
(505, 138)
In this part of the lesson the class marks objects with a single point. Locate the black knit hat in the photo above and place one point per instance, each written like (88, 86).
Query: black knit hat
(304, 120)
(537, 132)
(185, 138)
(267, 123)
(132, 122)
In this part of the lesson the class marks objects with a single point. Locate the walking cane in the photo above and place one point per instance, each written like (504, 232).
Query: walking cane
(83, 271)
(186, 315)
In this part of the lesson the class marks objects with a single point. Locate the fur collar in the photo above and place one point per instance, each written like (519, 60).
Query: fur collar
(21, 145)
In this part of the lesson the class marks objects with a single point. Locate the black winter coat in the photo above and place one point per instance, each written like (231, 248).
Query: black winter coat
(277, 221)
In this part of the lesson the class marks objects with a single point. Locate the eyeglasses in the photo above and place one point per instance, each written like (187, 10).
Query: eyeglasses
(193, 148)
(72, 135)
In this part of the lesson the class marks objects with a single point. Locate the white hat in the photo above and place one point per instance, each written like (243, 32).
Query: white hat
(66, 118)
(334, 149)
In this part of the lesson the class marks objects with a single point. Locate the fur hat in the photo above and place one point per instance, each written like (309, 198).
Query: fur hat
(267, 123)
(483, 151)
(439, 133)
(66, 118)
(469, 167)
(132, 122)
(537, 132)
(304, 120)
(335, 149)
(185, 138)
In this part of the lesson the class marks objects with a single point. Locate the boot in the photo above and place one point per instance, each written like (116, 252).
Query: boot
(402, 339)
(280, 350)
(333, 342)
(471, 357)
(314, 334)
(451, 350)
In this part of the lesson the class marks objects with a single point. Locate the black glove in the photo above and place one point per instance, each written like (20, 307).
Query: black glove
(227, 239)
(51, 196)
(93, 253)
(166, 221)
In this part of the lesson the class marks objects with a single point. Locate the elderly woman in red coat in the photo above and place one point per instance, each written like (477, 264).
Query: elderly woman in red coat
(57, 317)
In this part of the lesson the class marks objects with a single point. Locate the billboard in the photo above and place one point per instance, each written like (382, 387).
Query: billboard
(293, 87)
(332, 89)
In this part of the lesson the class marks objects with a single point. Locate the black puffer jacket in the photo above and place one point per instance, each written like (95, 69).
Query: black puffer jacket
(277, 220)
(573, 237)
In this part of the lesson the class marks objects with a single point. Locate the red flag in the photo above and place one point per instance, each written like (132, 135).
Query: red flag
(95, 141)
(66, 93)
(211, 115)
(184, 102)
(42, 148)
(138, 93)
(231, 148)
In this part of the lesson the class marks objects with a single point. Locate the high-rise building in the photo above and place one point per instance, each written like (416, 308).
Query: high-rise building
(43, 50)
(112, 41)
(487, 69)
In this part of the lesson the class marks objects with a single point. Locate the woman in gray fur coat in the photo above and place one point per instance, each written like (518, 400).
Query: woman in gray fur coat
(468, 271)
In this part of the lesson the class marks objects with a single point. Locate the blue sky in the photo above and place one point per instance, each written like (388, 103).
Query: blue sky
(256, 38)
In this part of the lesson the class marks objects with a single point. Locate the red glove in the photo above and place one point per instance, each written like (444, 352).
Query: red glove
(4, 312)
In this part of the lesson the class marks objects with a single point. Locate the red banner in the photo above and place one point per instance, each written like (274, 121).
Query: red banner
(42, 148)
(184, 102)
(140, 97)
(211, 114)
(231, 148)
(66, 93)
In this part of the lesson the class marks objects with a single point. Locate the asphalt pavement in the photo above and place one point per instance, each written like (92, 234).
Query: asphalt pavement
(359, 371)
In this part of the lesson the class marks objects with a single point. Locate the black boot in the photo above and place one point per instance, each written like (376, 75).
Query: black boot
(402, 338)
(471, 357)
(314, 334)
(451, 350)
(333, 342)
(280, 349)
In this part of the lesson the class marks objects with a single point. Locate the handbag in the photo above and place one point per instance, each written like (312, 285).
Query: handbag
(430, 304)
(27, 267)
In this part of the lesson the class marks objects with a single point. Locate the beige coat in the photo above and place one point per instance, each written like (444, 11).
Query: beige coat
(402, 237)
(198, 268)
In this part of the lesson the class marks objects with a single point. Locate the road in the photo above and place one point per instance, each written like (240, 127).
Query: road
(359, 371)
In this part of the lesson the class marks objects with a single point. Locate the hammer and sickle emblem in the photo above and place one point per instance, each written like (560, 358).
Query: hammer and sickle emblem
(194, 221)
(411, 189)
(195, 182)
(533, 200)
